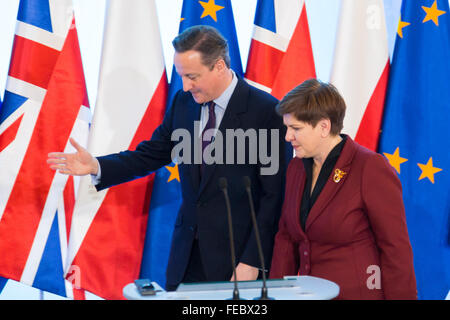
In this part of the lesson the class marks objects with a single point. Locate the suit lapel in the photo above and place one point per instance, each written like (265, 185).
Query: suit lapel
(334, 182)
(192, 116)
(230, 120)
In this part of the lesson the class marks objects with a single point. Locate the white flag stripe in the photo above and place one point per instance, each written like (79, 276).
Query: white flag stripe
(85, 115)
(39, 35)
(272, 39)
(259, 86)
(61, 12)
(131, 69)
(128, 78)
(26, 89)
(62, 229)
(287, 14)
(361, 55)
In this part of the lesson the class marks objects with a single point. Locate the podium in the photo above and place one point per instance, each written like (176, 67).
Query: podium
(288, 288)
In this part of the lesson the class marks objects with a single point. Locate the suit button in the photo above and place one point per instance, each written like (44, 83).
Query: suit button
(305, 253)
(201, 204)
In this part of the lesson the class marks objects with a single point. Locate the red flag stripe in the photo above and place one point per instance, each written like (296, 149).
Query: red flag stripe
(370, 125)
(263, 63)
(127, 240)
(66, 91)
(79, 294)
(32, 62)
(298, 61)
(69, 203)
(9, 134)
(153, 115)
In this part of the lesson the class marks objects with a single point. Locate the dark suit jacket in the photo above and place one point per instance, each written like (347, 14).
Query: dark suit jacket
(203, 209)
(356, 226)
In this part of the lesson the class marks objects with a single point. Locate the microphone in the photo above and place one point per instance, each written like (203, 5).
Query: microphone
(264, 292)
(223, 185)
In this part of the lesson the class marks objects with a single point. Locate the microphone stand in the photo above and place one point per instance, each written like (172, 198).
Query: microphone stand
(223, 185)
(264, 291)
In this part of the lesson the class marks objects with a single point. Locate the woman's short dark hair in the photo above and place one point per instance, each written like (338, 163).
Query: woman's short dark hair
(206, 40)
(313, 101)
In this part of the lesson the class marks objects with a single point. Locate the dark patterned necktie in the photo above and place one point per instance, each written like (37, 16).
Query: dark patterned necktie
(207, 137)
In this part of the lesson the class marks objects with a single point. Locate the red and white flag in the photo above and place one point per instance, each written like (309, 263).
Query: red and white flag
(361, 68)
(108, 227)
(281, 55)
(45, 103)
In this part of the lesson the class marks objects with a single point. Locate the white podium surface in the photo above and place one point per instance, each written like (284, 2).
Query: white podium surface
(289, 288)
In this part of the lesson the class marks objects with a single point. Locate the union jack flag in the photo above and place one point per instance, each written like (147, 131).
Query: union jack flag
(281, 54)
(45, 103)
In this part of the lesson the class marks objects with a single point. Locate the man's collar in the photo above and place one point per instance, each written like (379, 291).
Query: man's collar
(224, 98)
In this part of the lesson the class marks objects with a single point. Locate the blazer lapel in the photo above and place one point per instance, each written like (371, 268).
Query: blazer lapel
(298, 188)
(230, 120)
(334, 182)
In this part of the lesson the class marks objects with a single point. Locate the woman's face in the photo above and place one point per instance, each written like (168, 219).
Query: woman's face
(304, 138)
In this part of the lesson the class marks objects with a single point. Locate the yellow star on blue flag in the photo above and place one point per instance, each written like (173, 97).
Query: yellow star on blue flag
(433, 13)
(416, 118)
(210, 9)
(428, 170)
(174, 174)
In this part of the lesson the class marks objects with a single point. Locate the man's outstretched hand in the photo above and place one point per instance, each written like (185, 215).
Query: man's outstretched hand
(79, 163)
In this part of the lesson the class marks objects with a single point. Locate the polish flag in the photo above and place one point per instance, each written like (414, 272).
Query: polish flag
(361, 68)
(108, 227)
(280, 55)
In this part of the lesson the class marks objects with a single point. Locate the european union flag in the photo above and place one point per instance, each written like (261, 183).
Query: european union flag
(416, 137)
(166, 194)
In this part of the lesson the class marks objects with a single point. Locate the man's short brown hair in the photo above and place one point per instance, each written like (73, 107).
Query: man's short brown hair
(206, 40)
(313, 101)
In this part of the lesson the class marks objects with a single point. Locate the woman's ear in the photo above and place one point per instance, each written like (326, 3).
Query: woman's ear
(325, 127)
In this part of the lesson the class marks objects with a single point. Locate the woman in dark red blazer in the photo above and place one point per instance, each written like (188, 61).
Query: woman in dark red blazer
(343, 217)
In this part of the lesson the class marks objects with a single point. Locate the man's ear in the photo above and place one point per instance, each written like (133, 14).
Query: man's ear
(220, 65)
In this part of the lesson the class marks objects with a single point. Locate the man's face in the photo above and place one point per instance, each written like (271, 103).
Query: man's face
(205, 84)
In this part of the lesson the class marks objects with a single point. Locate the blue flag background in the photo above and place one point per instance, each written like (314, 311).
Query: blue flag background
(416, 137)
(3, 282)
(215, 13)
(166, 195)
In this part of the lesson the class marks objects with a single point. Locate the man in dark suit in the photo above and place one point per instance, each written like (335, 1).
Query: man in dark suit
(213, 100)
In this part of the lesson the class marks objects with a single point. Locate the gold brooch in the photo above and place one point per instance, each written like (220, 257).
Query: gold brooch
(338, 175)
